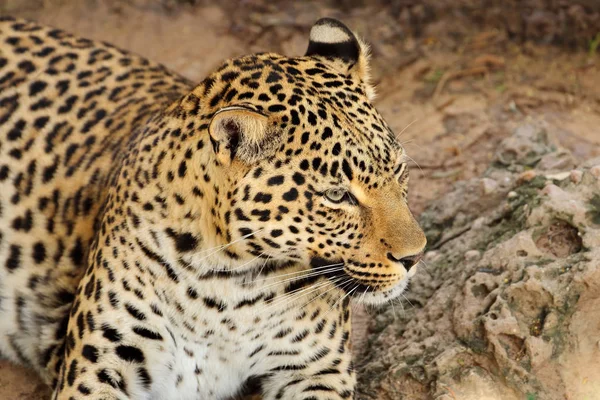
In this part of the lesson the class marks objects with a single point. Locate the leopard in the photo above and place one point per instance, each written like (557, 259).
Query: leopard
(161, 239)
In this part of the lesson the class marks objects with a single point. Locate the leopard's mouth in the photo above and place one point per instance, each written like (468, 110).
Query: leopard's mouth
(359, 288)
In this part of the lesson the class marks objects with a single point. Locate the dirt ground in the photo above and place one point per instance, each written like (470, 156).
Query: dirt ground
(452, 93)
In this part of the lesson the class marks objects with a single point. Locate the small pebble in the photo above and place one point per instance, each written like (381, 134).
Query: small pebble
(472, 255)
(488, 186)
(431, 255)
(559, 176)
(527, 176)
(576, 176)
(478, 223)
(595, 170)
(512, 194)
(551, 189)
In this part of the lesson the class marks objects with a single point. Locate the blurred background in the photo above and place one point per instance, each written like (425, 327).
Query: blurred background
(454, 77)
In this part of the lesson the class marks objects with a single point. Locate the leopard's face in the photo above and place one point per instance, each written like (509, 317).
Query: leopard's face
(314, 173)
(337, 202)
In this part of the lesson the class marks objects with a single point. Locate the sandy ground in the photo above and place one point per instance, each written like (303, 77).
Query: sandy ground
(451, 99)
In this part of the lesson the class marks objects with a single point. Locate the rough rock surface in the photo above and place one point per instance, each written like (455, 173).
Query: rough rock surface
(508, 305)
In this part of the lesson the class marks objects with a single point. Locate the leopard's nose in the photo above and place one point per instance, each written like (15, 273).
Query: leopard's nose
(408, 262)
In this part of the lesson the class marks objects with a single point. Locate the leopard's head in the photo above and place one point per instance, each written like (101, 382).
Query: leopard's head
(307, 169)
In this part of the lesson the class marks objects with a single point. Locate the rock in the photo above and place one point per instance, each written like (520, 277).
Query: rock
(575, 176)
(478, 223)
(558, 176)
(556, 161)
(431, 256)
(525, 148)
(552, 190)
(472, 255)
(527, 176)
(539, 351)
(510, 306)
(488, 186)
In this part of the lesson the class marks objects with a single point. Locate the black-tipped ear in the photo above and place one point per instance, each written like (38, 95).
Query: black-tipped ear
(239, 131)
(330, 38)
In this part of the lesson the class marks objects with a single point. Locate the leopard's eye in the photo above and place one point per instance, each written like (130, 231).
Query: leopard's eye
(338, 196)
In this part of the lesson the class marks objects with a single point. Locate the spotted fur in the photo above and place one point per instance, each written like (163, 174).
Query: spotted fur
(160, 240)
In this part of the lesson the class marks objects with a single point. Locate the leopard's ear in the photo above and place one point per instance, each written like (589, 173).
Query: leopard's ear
(240, 132)
(333, 40)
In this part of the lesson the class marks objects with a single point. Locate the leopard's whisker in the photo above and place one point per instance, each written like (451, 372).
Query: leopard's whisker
(406, 127)
(412, 143)
(365, 293)
(310, 270)
(341, 286)
(413, 160)
(326, 283)
(264, 264)
(401, 306)
(313, 274)
(224, 246)
(299, 275)
(239, 266)
(288, 297)
(406, 298)
(426, 268)
(393, 310)
(341, 299)
(304, 273)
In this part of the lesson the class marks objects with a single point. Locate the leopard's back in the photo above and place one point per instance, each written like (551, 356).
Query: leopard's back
(68, 109)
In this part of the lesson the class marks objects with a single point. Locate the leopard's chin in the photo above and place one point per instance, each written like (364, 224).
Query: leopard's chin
(360, 292)
(381, 297)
